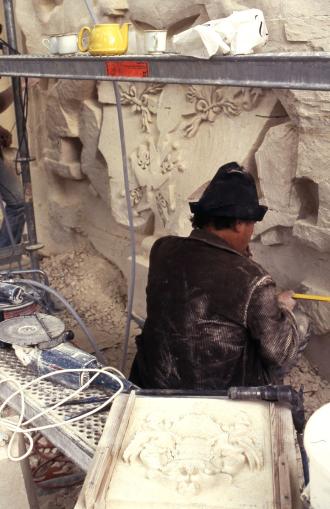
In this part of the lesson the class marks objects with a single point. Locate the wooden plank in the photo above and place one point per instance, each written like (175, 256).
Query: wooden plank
(103, 452)
(101, 500)
(284, 482)
(285, 476)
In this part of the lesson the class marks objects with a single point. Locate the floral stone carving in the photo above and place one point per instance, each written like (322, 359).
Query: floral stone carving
(210, 102)
(144, 103)
(193, 448)
(151, 179)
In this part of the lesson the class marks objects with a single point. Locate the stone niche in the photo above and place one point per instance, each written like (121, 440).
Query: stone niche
(177, 136)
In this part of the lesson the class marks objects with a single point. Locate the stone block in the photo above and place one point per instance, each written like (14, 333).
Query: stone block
(112, 7)
(70, 170)
(58, 121)
(318, 354)
(105, 92)
(72, 91)
(313, 235)
(276, 236)
(313, 153)
(324, 204)
(224, 8)
(273, 219)
(318, 312)
(307, 109)
(277, 41)
(305, 8)
(314, 30)
(276, 175)
(93, 164)
(160, 15)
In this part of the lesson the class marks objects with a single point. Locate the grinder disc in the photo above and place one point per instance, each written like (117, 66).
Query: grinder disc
(31, 330)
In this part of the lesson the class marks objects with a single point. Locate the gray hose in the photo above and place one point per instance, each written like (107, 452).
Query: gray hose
(131, 286)
(91, 11)
(100, 357)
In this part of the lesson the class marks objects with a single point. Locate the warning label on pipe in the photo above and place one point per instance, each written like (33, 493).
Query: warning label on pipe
(128, 69)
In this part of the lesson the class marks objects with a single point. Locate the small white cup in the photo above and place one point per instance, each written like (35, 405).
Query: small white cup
(51, 43)
(67, 44)
(155, 41)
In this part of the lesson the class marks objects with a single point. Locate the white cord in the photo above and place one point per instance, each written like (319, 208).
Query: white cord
(19, 426)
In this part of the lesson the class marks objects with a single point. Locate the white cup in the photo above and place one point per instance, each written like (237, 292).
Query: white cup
(155, 41)
(67, 44)
(51, 43)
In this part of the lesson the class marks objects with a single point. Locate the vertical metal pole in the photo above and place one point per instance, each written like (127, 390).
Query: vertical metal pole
(22, 137)
(131, 283)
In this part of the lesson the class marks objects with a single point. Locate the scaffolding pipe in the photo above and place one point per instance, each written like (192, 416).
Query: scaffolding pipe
(131, 283)
(24, 153)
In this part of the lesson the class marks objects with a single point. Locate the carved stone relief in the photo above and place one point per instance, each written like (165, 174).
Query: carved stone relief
(152, 181)
(194, 452)
(144, 103)
(209, 102)
(188, 450)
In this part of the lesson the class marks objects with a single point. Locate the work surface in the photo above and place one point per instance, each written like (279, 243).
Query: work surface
(77, 440)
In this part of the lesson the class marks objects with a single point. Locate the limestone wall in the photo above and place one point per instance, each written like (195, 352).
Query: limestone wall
(176, 138)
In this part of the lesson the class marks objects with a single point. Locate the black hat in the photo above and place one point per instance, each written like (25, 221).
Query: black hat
(231, 193)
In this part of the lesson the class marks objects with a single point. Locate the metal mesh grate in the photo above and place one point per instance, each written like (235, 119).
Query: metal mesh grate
(46, 393)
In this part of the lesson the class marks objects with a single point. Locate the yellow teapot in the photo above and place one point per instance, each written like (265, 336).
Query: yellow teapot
(104, 39)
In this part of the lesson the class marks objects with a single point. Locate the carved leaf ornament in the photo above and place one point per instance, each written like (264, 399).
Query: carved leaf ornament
(211, 102)
(194, 449)
(144, 103)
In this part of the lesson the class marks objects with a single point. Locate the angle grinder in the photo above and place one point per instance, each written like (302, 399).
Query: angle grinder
(39, 329)
(15, 300)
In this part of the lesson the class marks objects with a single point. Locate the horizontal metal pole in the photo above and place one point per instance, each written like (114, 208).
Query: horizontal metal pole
(304, 71)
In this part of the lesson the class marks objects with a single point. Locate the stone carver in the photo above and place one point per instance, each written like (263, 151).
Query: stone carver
(11, 191)
(214, 318)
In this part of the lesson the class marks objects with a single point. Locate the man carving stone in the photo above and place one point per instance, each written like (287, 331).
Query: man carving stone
(214, 319)
(11, 191)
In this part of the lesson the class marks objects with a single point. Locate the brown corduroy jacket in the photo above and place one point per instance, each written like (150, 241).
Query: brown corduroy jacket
(213, 319)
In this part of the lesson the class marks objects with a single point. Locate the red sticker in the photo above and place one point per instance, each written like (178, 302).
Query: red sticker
(128, 69)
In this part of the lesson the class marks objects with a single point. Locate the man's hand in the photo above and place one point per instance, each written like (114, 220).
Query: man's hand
(285, 298)
(5, 137)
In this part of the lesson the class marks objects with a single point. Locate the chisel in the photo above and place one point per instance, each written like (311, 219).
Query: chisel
(306, 296)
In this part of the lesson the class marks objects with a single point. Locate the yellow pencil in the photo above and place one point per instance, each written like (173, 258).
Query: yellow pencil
(305, 296)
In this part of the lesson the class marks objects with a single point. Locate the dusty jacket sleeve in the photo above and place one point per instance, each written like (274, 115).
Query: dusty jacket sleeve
(273, 327)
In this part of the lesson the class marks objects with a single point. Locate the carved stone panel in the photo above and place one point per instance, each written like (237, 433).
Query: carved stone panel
(196, 453)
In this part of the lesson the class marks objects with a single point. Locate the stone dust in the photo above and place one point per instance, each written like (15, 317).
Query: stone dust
(97, 291)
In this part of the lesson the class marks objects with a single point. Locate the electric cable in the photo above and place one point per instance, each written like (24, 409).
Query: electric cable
(131, 283)
(100, 357)
(8, 46)
(24, 103)
(10, 233)
(91, 12)
(19, 427)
